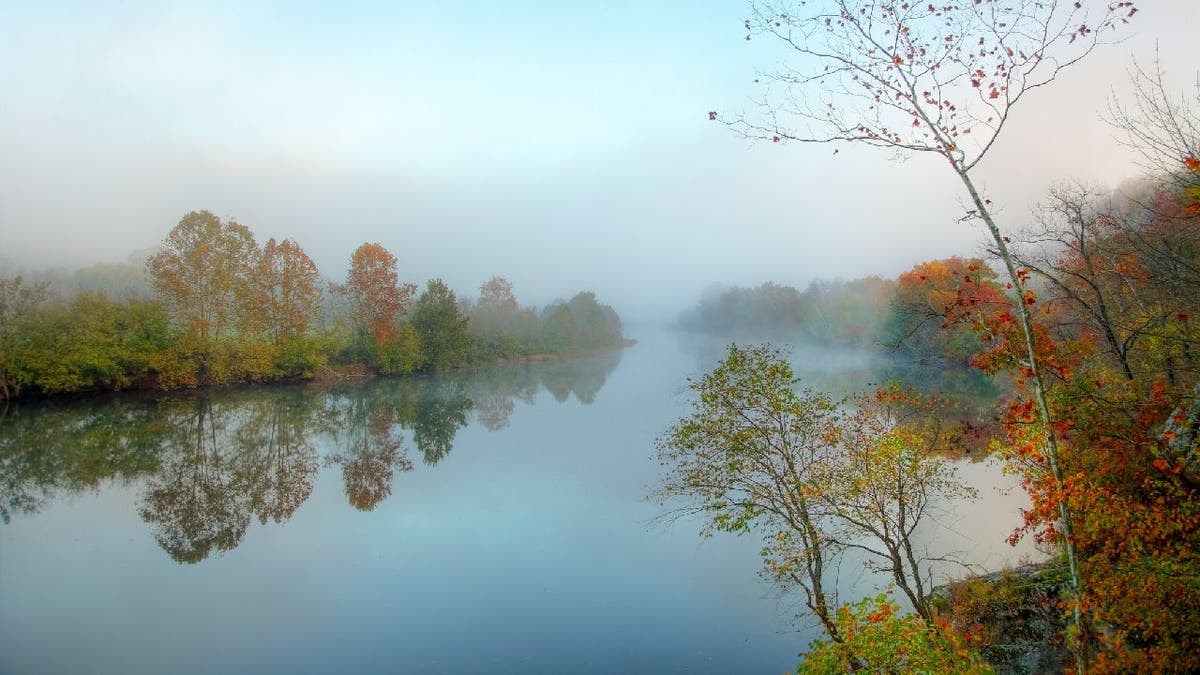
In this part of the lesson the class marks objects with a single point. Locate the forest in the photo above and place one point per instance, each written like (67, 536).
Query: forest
(1087, 307)
(213, 307)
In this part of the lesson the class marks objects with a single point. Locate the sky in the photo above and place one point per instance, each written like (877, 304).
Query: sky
(563, 145)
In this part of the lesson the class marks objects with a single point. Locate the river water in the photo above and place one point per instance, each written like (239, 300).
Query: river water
(486, 521)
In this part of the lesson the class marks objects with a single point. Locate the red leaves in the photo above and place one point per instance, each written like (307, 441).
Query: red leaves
(1192, 164)
(1162, 464)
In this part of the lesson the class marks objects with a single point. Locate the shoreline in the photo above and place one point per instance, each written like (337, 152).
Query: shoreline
(330, 375)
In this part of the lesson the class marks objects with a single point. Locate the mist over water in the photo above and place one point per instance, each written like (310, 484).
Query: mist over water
(483, 520)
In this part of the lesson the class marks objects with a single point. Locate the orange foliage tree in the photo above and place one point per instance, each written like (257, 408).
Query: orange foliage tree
(291, 294)
(377, 299)
(937, 306)
(203, 274)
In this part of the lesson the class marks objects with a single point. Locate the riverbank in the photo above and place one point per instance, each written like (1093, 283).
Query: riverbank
(326, 375)
(1014, 617)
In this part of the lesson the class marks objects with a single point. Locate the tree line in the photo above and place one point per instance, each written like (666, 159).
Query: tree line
(222, 309)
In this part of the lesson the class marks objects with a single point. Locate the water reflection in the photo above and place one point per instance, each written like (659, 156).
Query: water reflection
(208, 464)
(966, 394)
(195, 502)
(48, 450)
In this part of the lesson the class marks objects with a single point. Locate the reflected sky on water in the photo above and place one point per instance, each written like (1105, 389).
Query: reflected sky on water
(493, 520)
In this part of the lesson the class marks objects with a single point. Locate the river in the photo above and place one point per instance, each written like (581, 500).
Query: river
(492, 521)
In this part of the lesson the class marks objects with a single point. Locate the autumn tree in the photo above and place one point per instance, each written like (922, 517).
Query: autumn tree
(931, 79)
(814, 480)
(290, 288)
(377, 299)
(1124, 272)
(742, 459)
(204, 275)
(937, 306)
(889, 476)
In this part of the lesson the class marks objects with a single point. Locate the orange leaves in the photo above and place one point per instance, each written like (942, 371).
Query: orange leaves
(372, 286)
(1192, 164)
(1162, 464)
(290, 295)
(204, 274)
(883, 612)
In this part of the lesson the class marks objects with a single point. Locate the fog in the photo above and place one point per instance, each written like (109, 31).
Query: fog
(565, 146)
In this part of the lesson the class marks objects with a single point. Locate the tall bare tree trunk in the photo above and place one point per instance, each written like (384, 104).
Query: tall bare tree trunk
(1039, 395)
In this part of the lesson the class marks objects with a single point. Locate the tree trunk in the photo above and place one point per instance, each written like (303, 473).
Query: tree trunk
(1039, 394)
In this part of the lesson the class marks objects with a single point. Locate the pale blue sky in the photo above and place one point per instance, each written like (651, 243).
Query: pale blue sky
(564, 145)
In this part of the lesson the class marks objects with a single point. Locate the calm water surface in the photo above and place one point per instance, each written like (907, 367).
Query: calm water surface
(492, 521)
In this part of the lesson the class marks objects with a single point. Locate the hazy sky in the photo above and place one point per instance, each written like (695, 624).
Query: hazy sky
(564, 145)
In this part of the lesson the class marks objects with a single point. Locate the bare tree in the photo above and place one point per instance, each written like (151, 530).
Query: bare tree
(1126, 270)
(1164, 128)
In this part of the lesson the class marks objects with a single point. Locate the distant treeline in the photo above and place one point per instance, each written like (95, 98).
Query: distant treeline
(211, 306)
(911, 316)
(826, 313)
(1118, 273)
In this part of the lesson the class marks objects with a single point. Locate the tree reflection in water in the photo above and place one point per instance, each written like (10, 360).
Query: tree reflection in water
(277, 460)
(207, 464)
(192, 505)
(371, 446)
